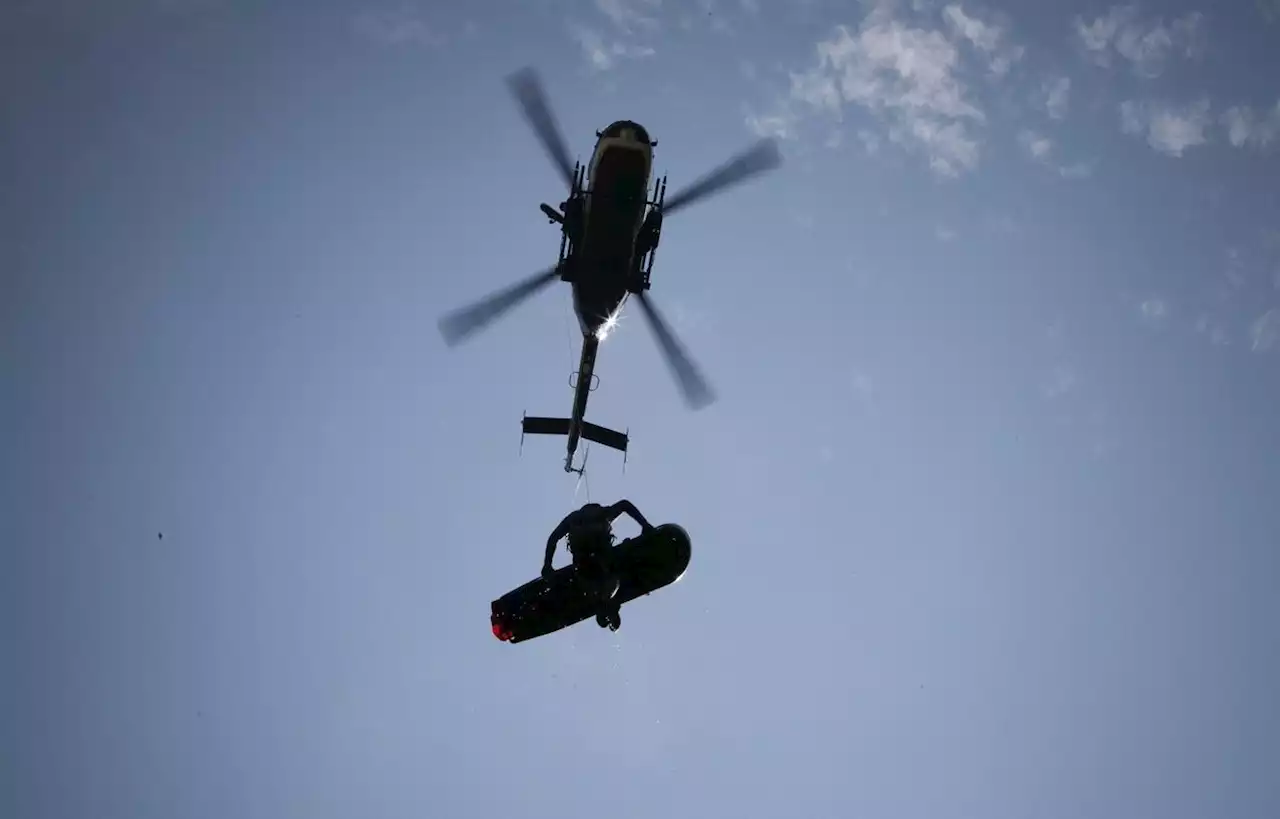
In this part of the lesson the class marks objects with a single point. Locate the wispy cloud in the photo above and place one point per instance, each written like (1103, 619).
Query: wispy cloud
(629, 15)
(987, 37)
(1247, 128)
(907, 73)
(1264, 333)
(1077, 170)
(1169, 129)
(1154, 311)
(603, 54)
(1146, 45)
(400, 26)
(1042, 149)
(1036, 144)
(626, 19)
(1056, 96)
(779, 125)
(1233, 291)
(1060, 381)
(1213, 328)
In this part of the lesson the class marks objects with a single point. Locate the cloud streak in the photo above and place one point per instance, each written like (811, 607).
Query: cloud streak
(396, 27)
(907, 74)
(1154, 311)
(1246, 128)
(987, 38)
(1146, 45)
(1169, 129)
(1264, 333)
(1042, 149)
(602, 54)
(628, 15)
(1057, 97)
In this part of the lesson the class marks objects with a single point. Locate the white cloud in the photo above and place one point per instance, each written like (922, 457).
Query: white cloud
(401, 26)
(1169, 129)
(604, 55)
(1265, 332)
(1041, 149)
(1057, 96)
(1036, 144)
(907, 76)
(1154, 310)
(1098, 36)
(944, 233)
(1077, 170)
(948, 145)
(1147, 45)
(780, 126)
(982, 36)
(1246, 128)
(818, 90)
(1211, 327)
(627, 14)
(986, 37)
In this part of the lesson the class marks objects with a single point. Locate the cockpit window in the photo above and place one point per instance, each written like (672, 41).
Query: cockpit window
(627, 129)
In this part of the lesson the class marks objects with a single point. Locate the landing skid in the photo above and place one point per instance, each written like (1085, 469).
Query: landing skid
(652, 223)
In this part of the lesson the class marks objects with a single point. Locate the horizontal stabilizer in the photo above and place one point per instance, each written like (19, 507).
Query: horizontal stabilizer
(536, 425)
(533, 425)
(606, 437)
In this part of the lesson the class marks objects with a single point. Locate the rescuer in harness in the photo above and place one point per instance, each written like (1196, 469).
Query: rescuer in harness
(590, 534)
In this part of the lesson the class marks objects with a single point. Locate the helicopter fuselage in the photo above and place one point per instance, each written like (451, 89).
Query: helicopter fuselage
(610, 227)
(614, 205)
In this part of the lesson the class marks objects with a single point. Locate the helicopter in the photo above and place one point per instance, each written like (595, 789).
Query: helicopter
(610, 226)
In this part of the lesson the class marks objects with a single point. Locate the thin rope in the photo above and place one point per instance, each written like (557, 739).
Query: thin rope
(583, 479)
(568, 338)
(568, 332)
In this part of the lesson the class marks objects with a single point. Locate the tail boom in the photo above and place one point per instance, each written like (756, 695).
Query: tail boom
(576, 427)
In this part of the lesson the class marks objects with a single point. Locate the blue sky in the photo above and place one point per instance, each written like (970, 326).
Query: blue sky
(984, 520)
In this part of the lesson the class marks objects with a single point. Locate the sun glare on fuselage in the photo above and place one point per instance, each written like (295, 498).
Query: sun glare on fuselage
(609, 323)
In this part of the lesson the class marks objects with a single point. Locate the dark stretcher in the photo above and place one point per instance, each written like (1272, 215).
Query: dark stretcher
(643, 564)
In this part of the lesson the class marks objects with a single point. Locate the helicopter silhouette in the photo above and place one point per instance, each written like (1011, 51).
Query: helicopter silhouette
(610, 226)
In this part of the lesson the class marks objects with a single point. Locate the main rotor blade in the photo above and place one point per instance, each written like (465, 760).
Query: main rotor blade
(761, 157)
(697, 393)
(526, 85)
(460, 324)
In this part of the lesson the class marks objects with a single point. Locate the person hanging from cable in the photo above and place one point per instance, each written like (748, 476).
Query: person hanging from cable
(590, 538)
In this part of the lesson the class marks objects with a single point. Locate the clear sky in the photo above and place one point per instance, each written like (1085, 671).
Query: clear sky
(985, 521)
